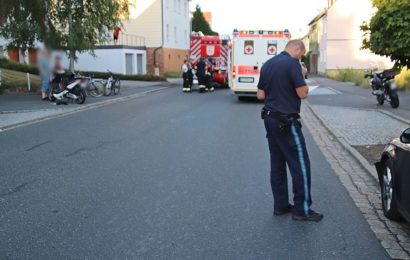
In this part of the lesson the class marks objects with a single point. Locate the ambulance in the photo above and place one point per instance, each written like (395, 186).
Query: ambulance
(249, 51)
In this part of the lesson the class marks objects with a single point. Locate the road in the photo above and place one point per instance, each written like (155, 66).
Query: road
(348, 95)
(166, 176)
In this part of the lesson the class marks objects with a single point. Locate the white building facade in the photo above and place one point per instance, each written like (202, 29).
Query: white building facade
(336, 39)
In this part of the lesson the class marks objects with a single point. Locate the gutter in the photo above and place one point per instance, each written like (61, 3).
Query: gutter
(162, 35)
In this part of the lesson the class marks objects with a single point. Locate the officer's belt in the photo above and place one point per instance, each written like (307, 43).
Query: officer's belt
(274, 114)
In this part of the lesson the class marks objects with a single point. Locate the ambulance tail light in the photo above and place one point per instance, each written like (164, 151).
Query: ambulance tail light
(234, 72)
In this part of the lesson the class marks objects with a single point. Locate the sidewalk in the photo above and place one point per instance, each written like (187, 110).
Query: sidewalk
(350, 114)
(18, 109)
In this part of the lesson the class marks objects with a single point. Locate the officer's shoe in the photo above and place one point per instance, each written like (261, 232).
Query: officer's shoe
(311, 216)
(188, 90)
(184, 90)
(286, 210)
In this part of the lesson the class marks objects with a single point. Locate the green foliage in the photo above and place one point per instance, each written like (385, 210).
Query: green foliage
(173, 74)
(388, 33)
(403, 79)
(84, 24)
(72, 25)
(19, 22)
(357, 77)
(349, 75)
(199, 24)
(11, 65)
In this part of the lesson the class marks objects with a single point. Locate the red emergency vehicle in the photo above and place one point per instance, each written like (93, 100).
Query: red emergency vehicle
(215, 49)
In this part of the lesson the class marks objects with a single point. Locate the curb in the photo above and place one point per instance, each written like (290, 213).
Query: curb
(371, 170)
(82, 108)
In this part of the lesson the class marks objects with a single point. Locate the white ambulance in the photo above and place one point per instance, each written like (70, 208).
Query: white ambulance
(249, 51)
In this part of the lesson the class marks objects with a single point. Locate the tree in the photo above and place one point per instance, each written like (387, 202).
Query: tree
(84, 24)
(388, 33)
(72, 25)
(19, 25)
(199, 24)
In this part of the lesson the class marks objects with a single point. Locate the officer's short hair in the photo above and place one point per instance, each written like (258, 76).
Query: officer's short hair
(296, 43)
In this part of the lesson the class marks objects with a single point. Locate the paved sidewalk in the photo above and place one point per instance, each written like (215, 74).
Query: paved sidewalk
(17, 109)
(364, 190)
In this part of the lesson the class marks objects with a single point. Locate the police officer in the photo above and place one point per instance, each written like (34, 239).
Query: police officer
(282, 87)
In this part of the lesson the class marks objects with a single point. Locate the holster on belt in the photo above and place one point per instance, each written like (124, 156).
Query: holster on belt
(285, 120)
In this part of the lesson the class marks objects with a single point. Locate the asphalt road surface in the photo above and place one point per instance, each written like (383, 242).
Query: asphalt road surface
(166, 176)
(349, 95)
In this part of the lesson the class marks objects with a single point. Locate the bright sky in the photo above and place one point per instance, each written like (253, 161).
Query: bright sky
(261, 14)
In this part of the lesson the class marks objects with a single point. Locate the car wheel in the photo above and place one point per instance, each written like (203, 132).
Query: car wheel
(388, 193)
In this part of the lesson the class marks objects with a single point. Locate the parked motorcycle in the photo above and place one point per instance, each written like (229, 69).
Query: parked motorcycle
(71, 87)
(384, 87)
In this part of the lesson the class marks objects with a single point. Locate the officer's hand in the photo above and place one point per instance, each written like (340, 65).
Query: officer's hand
(304, 71)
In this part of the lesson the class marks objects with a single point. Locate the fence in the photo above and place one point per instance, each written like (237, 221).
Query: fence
(128, 40)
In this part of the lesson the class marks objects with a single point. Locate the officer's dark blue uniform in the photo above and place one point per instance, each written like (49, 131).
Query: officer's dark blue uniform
(279, 78)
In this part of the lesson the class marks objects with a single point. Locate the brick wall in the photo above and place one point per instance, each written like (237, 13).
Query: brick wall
(168, 60)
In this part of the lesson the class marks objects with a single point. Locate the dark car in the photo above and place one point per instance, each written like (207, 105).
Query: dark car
(394, 177)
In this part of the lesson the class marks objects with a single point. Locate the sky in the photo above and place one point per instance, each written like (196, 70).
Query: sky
(293, 15)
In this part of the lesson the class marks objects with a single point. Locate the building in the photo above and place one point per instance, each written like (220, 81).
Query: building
(208, 17)
(335, 38)
(165, 25)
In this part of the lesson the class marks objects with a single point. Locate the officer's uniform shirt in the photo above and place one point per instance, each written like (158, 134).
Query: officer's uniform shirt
(279, 78)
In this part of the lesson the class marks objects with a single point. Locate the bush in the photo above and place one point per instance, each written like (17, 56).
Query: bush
(11, 65)
(403, 79)
(349, 75)
(173, 75)
(357, 77)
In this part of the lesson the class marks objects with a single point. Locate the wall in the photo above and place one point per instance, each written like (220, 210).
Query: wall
(176, 24)
(168, 60)
(344, 38)
(145, 20)
(107, 59)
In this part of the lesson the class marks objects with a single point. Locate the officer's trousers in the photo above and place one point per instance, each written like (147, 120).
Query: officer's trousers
(289, 149)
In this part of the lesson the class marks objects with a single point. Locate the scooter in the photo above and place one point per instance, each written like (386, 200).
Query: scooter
(74, 89)
(384, 87)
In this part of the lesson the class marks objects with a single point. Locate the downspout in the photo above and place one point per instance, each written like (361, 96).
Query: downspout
(156, 69)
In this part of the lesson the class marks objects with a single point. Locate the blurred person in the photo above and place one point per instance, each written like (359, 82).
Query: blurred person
(44, 68)
(282, 86)
(116, 34)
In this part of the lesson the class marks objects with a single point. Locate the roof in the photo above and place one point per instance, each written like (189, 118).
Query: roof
(318, 17)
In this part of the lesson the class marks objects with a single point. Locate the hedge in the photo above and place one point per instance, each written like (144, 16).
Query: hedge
(32, 69)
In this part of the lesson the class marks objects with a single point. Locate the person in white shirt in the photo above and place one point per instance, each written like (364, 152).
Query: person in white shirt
(185, 68)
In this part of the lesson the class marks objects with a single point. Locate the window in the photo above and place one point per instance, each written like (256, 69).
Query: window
(175, 5)
(167, 3)
(185, 8)
(186, 36)
(179, 6)
(175, 34)
(167, 32)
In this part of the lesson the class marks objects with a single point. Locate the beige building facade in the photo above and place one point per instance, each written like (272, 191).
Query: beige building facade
(165, 25)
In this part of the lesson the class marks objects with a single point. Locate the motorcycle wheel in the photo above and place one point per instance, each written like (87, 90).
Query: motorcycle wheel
(51, 92)
(394, 100)
(81, 97)
(380, 100)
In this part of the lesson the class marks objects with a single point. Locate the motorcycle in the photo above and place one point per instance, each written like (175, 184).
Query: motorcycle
(72, 87)
(384, 87)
